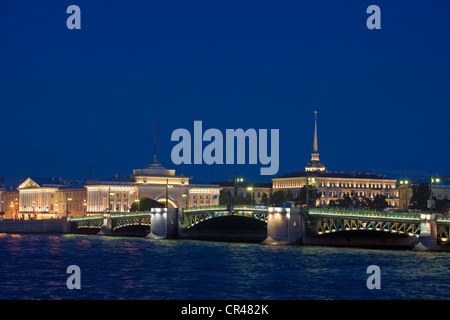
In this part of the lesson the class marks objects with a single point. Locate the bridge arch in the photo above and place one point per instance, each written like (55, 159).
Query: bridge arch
(171, 203)
(194, 216)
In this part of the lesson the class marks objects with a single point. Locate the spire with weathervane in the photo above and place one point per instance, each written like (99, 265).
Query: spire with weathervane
(315, 164)
(154, 144)
(153, 168)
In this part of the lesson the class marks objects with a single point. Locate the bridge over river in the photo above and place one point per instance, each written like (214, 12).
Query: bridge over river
(277, 225)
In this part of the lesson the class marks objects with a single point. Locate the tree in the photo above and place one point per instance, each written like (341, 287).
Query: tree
(225, 197)
(420, 197)
(443, 206)
(356, 201)
(265, 199)
(277, 198)
(379, 203)
(332, 204)
(289, 196)
(345, 202)
(245, 200)
(366, 203)
(301, 198)
(146, 204)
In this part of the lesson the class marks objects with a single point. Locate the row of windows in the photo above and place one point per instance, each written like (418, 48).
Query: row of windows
(339, 194)
(336, 185)
(441, 196)
(203, 196)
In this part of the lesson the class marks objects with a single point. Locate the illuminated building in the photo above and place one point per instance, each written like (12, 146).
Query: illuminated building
(155, 182)
(441, 190)
(10, 200)
(335, 185)
(45, 198)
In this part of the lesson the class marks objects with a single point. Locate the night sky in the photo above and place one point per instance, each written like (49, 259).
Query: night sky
(70, 99)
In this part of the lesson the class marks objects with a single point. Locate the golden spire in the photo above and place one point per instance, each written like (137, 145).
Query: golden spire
(315, 145)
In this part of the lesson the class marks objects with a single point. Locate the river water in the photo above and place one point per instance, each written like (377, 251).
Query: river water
(33, 266)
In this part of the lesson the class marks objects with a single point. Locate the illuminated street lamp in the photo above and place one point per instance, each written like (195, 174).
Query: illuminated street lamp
(186, 195)
(251, 189)
(406, 184)
(67, 204)
(139, 204)
(236, 186)
(311, 180)
(432, 180)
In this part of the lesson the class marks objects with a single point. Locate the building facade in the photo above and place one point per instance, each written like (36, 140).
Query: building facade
(441, 190)
(155, 182)
(47, 198)
(249, 190)
(10, 200)
(335, 185)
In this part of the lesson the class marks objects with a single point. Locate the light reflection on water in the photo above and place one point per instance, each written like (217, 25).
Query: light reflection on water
(34, 267)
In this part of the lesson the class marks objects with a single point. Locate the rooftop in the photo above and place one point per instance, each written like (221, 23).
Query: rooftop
(336, 174)
(243, 184)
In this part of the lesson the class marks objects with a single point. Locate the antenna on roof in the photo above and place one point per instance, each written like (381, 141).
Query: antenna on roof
(154, 142)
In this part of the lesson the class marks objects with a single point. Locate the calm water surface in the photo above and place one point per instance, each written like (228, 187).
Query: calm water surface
(34, 267)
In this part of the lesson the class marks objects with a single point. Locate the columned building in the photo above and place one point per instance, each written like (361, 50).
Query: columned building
(153, 181)
(37, 198)
(46, 198)
(333, 185)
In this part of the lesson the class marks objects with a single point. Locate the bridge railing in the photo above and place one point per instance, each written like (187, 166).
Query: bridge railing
(205, 208)
(113, 215)
(442, 218)
(96, 216)
(250, 207)
(130, 214)
(360, 213)
(225, 207)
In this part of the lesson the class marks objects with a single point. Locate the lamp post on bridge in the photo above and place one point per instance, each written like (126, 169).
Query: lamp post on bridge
(236, 186)
(251, 189)
(308, 180)
(67, 204)
(406, 184)
(139, 204)
(432, 180)
(186, 195)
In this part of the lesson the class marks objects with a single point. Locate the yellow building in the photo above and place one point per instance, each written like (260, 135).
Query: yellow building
(46, 198)
(334, 185)
(155, 182)
(71, 201)
(10, 204)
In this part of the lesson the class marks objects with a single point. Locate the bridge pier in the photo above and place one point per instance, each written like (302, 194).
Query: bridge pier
(164, 223)
(428, 233)
(284, 226)
(106, 229)
(351, 229)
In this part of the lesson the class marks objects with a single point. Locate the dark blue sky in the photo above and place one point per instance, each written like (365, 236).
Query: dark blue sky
(71, 98)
